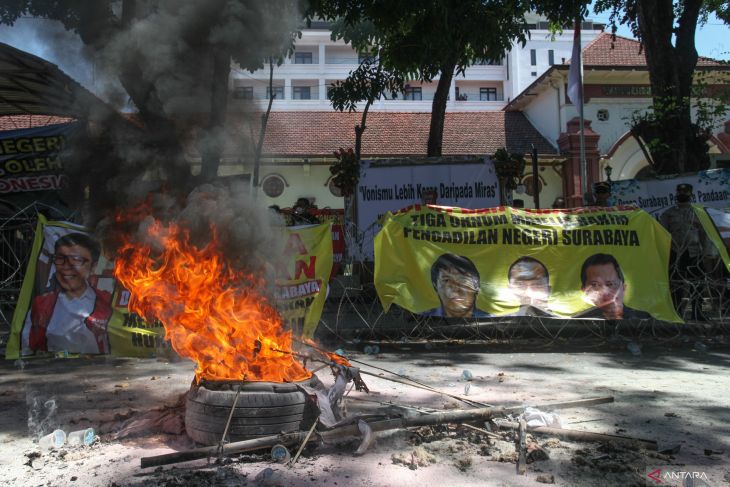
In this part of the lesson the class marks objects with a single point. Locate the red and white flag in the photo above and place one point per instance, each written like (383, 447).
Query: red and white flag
(575, 74)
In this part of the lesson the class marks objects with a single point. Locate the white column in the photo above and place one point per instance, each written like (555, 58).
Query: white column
(322, 89)
(321, 55)
(287, 89)
(452, 92)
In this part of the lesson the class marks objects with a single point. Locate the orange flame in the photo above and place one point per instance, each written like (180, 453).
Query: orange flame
(212, 313)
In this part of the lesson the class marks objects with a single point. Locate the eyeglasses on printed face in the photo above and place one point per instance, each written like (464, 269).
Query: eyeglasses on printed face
(72, 260)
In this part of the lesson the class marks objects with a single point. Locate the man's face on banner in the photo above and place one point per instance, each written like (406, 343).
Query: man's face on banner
(457, 292)
(603, 287)
(73, 267)
(529, 282)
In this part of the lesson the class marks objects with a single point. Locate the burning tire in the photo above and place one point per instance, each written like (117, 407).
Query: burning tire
(262, 409)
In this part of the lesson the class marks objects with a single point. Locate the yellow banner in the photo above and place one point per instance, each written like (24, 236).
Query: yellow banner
(716, 223)
(69, 303)
(302, 276)
(584, 263)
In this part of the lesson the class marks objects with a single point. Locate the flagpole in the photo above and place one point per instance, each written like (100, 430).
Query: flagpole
(583, 163)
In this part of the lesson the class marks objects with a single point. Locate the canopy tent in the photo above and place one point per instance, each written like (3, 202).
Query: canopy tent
(31, 85)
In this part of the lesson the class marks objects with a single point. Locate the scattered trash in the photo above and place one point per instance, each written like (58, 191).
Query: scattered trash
(53, 440)
(467, 386)
(501, 377)
(463, 464)
(535, 417)
(84, 437)
(671, 450)
(418, 457)
(267, 477)
(19, 364)
(280, 454)
(467, 375)
(700, 347)
(709, 452)
(671, 415)
(535, 453)
(634, 348)
(367, 437)
(545, 479)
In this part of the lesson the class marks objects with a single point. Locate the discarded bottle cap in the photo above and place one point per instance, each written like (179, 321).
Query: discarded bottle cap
(280, 454)
(84, 437)
(53, 440)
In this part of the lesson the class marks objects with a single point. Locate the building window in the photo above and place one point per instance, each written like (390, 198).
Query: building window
(533, 57)
(487, 94)
(278, 92)
(302, 58)
(413, 94)
(365, 56)
(243, 92)
(301, 93)
(551, 57)
(488, 62)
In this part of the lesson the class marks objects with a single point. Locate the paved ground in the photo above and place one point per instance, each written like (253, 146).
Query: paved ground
(676, 395)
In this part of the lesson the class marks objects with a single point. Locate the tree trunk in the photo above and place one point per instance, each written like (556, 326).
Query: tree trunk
(438, 110)
(674, 141)
(262, 132)
(359, 129)
(212, 147)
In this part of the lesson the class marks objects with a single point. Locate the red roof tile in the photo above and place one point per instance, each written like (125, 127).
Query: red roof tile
(604, 50)
(296, 134)
(17, 122)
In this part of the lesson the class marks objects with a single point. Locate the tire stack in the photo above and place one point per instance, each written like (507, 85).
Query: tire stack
(262, 409)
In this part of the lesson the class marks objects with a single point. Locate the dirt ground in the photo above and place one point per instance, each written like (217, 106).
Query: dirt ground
(674, 394)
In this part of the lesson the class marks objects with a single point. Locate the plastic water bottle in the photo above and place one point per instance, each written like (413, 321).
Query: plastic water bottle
(280, 454)
(53, 440)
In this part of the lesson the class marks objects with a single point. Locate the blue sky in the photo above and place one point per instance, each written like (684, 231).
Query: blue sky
(712, 39)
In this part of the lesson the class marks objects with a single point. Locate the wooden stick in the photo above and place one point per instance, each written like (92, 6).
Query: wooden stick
(584, 435)
(522, 447)
(442, 417)
(304, 443)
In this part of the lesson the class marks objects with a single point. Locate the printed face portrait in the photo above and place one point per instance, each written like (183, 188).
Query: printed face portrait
(603, 287)
(457, 292)
(73, 268)
(529, 282)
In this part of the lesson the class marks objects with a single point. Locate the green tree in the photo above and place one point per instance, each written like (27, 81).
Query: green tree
(428, 39)
(368, 83)
(173, 58)
(666, 29)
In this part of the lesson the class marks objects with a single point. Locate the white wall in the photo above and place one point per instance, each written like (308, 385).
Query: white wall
(304, 182)
(543, 113)
(541, 41)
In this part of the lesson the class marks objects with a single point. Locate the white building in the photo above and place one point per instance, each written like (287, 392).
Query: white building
(301, 82)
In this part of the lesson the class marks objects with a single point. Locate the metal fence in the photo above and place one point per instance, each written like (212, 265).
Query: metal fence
(17, 231)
